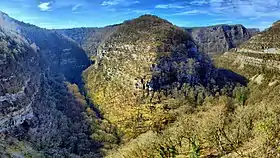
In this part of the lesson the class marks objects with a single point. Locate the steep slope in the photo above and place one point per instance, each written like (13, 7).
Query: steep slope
(221, 38)
(88, 38)
(60, 53)
(245, 125)
(158, 95)
(38, 105)
(147, 72)
(258, 60)
(19, 61)
(262, 51)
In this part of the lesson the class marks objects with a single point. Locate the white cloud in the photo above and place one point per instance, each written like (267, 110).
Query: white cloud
(199, 2)
(76, 7)
(254, 10)
(110, 3)
(118, 2)
(192, 12)
(45, 6)
(251, 9)
(169, 6)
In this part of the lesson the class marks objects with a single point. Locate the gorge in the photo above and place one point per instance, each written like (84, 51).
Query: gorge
(142, 88)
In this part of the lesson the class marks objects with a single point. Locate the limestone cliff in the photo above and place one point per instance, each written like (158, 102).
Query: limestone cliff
(221, 38)
(19, 80)
(261, 51)
(61, 54)
(37, 106)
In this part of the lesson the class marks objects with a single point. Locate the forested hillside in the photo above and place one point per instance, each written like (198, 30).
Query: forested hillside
(149, 80)
(43, 112)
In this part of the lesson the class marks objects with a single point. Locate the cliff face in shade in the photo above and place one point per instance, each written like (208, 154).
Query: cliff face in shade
(88, 38)
(36, 105)
(221, 38)
(60, 53)
(18, 81)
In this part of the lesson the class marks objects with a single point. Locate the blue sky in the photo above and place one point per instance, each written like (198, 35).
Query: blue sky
(97, 13)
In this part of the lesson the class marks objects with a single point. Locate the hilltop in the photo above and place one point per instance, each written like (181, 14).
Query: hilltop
(148, 72)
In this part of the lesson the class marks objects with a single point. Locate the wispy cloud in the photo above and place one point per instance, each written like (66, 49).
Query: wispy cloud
(110, 3)
(118, 2)
(45, 6)
(250, 9)
(199, 2)
(76, 7)
(248, 12)
(192, 12)
(169, 6)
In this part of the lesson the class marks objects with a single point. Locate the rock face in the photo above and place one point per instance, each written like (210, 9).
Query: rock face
(36, 105)
(18, 84)
(221, 38)
(60, 53)
(88, 38)
(261, 51)
(139, 69)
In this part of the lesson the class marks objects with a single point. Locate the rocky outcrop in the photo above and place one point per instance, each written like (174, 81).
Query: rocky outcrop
(61, 54)
(221, 38)
(19, 79)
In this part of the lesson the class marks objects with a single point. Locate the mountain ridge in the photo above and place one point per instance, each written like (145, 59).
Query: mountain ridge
(104, 32)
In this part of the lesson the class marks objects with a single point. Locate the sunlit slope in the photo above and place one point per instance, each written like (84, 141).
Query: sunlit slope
(147, 72)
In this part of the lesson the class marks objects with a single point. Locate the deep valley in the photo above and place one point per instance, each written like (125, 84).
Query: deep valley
(142, 88)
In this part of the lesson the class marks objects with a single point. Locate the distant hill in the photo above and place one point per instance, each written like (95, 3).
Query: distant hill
(88, 38)
(218, 39)
(261, 50)
(212, 40)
